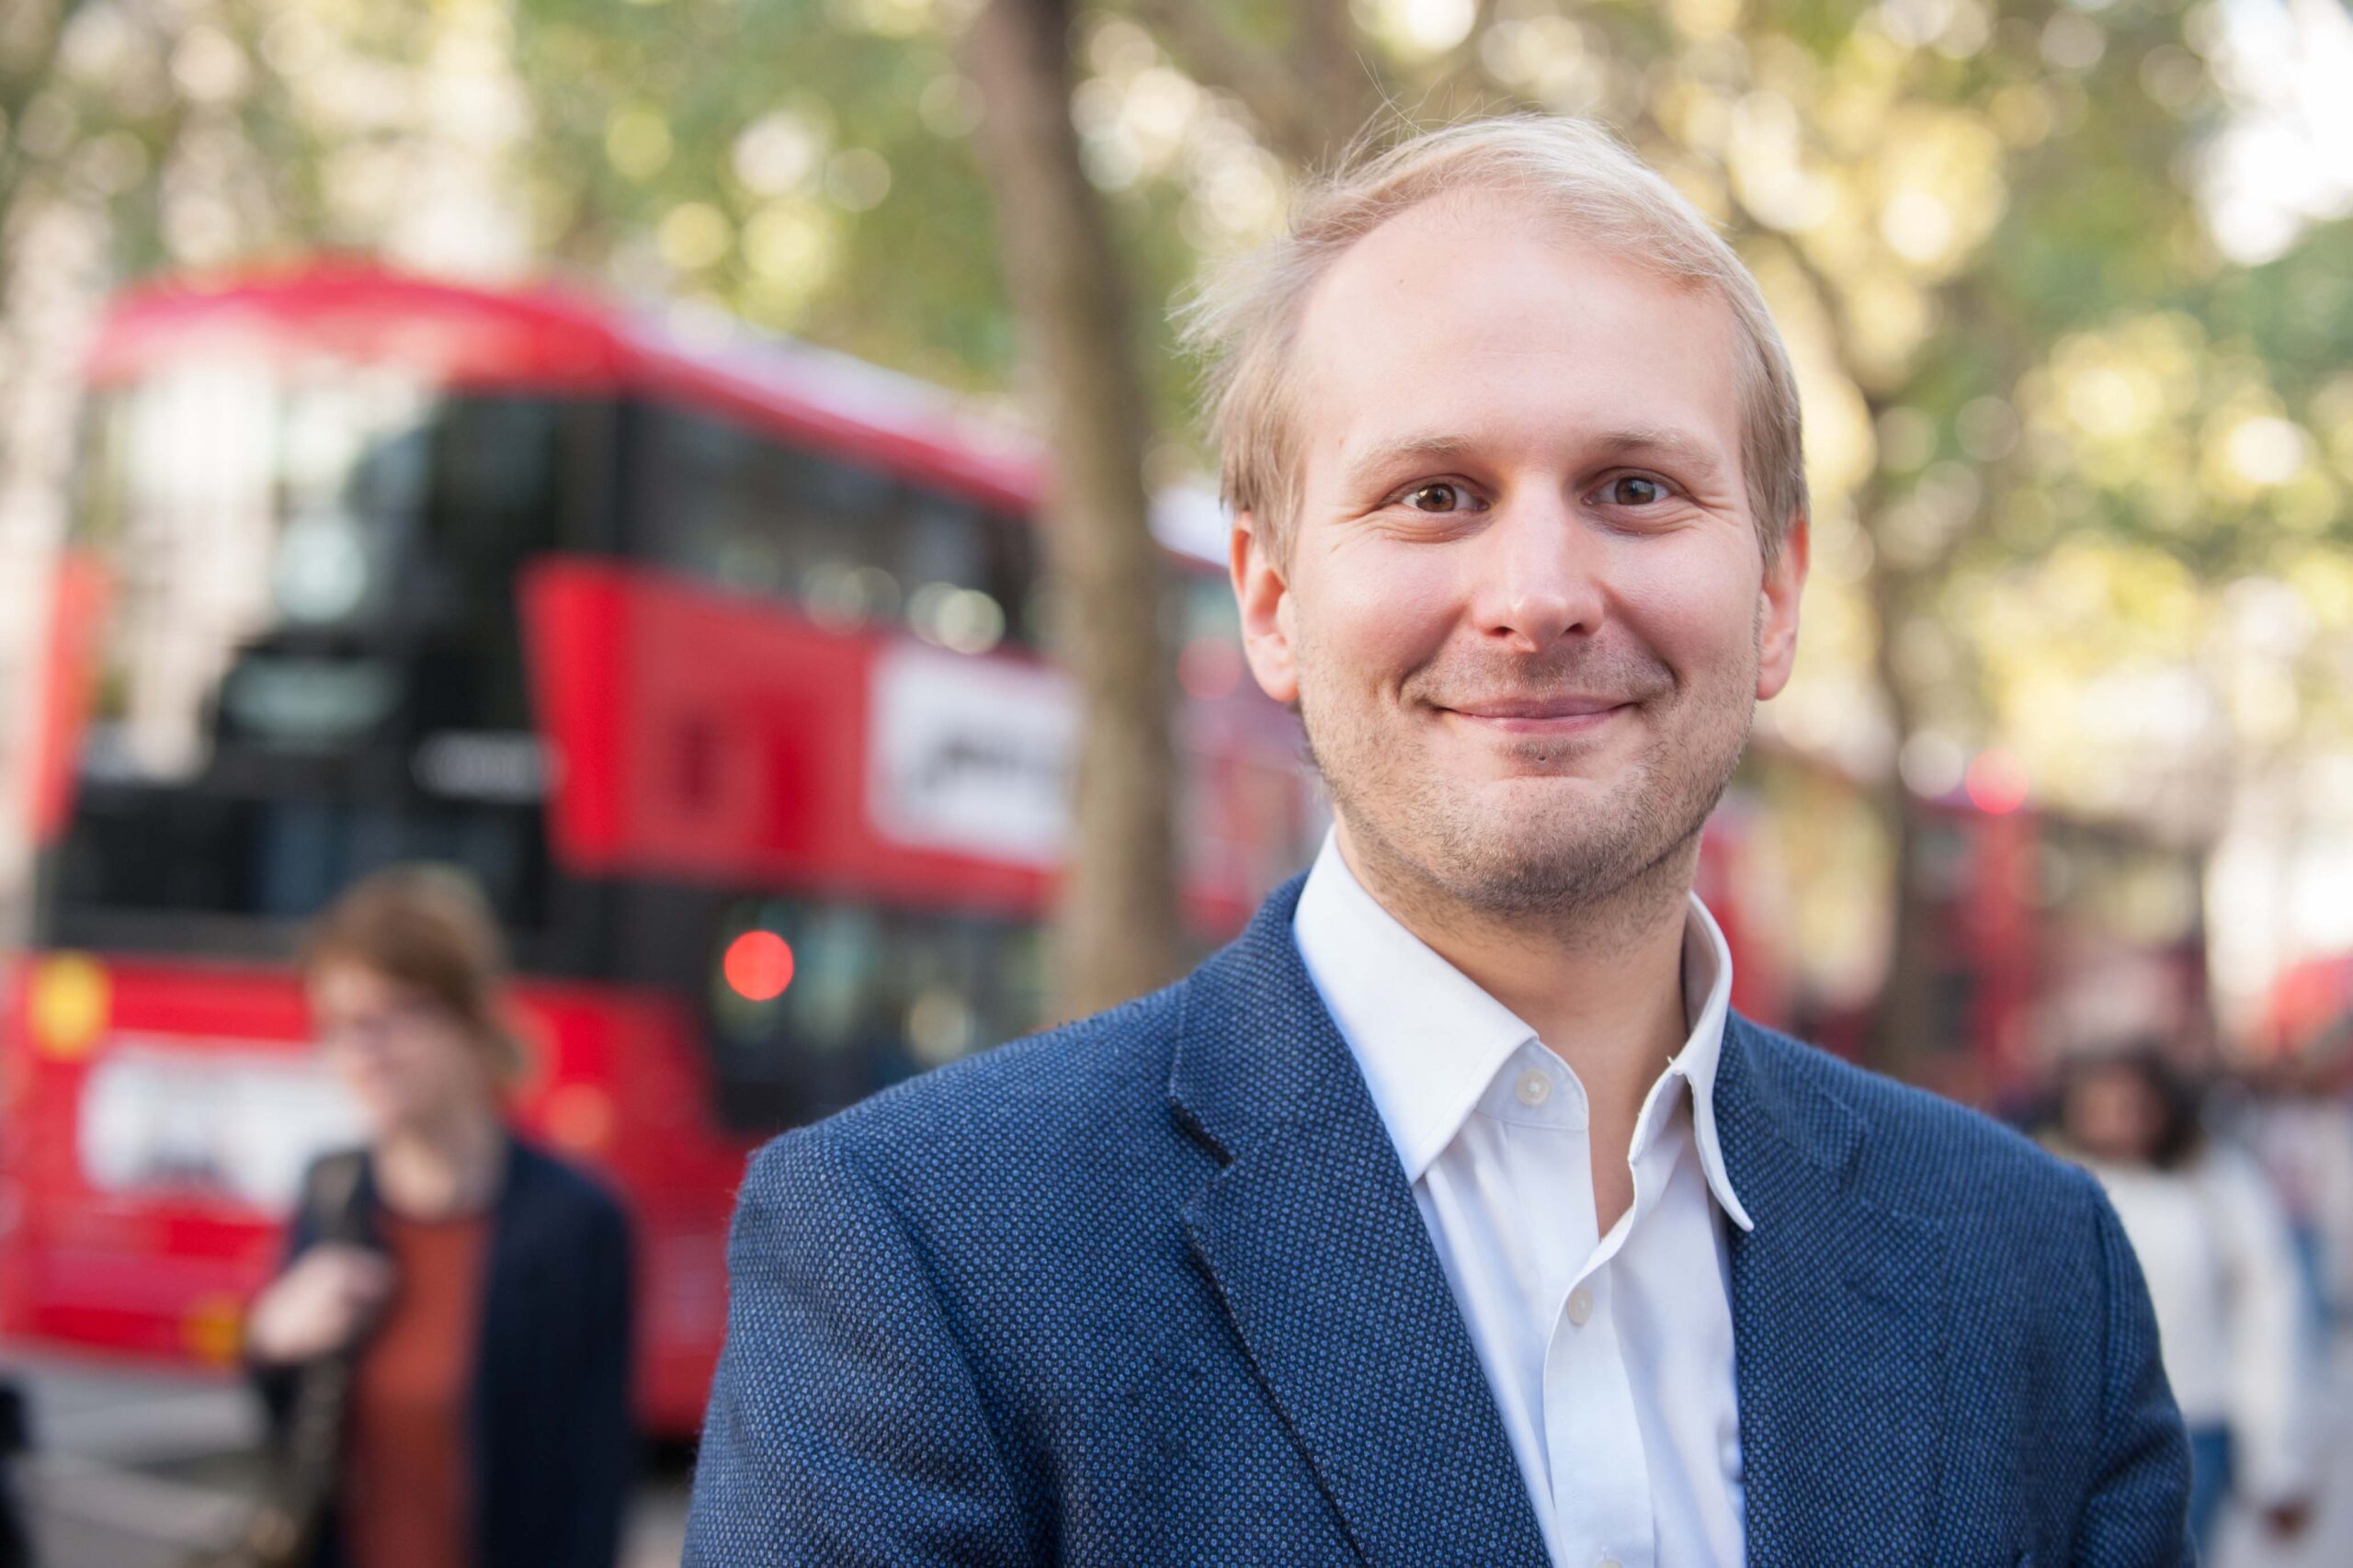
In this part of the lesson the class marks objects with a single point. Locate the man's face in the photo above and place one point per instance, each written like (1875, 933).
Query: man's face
(1524, 612)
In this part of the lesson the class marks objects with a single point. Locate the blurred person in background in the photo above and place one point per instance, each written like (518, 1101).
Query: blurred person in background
(477, 1289)
(2213, 1245)
(2296, 1122)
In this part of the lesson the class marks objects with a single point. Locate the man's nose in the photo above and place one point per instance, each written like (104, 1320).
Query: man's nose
(1539, 573)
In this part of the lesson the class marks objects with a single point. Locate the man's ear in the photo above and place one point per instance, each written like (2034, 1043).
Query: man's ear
(1263, 592)
(1777, 630)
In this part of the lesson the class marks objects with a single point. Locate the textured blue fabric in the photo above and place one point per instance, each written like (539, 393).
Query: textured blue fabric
(1153, 1288)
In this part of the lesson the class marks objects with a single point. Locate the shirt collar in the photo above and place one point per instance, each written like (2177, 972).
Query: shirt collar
(1429, 1042)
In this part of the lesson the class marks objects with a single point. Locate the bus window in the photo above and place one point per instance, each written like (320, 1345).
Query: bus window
(814, 1005)
(313, 663)
(847, 545)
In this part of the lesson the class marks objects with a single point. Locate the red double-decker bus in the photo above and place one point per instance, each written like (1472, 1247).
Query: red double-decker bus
(717, 665)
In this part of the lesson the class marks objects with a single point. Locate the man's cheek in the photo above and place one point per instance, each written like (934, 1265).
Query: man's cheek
(1387, 613)
(1696, 617)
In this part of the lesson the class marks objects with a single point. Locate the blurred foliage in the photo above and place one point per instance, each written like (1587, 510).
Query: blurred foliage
(1979, 228)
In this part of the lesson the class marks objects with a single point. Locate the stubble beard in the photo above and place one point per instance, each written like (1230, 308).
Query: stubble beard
(1559, 865)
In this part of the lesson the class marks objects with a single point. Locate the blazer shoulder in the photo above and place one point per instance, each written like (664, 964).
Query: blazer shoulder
(1922, 1152)
(552, 1191)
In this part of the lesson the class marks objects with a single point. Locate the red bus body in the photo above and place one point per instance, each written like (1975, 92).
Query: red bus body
(615, 1084)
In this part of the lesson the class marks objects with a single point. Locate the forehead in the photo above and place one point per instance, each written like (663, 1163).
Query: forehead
(1471, 315)
(349, 985)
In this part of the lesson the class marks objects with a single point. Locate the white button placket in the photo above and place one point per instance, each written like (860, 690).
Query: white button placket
(1592, 1437)
(1600, 1476)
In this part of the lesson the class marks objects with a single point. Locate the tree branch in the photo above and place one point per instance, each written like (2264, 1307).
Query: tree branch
(1213, 56)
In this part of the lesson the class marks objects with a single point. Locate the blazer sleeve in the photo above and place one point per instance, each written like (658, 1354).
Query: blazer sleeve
(845, 1425)
(2138, 1512)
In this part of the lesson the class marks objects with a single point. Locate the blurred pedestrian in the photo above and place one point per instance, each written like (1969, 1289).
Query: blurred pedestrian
(2213, 1245)
(463, 1295)
(2297, 1124)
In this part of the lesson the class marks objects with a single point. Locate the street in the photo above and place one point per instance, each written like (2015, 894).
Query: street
(134, 1468)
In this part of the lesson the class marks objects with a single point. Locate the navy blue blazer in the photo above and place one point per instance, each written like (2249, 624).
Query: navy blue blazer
(1154, 1288)
(553, 1448)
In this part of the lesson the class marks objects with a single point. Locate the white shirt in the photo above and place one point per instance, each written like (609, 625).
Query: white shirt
(1611, 1357)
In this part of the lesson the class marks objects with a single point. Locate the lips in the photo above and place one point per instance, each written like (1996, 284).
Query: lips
(1557, 718)
(1538, 709)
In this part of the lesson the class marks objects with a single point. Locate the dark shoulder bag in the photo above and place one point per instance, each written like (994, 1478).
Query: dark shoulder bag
(282, 1529)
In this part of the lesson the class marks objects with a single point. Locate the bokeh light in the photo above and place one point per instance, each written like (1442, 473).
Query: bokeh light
(759, 966)
(1997, 783)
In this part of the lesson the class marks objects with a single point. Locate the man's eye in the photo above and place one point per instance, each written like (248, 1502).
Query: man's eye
(1440, 497)
(1633, 490)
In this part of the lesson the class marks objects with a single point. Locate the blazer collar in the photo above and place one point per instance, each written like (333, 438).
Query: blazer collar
(1839, 1308)
(1232, 1092)
(1318, 1252)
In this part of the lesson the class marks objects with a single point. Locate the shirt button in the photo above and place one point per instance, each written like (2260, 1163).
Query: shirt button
(1534, 1088)
(1608, 1563)
(1580, 1306)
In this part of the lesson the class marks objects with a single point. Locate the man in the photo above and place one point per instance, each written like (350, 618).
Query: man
(1448, 1216)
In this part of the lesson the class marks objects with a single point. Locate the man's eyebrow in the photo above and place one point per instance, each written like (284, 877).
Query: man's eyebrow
(1375, 463)
(1666, 442)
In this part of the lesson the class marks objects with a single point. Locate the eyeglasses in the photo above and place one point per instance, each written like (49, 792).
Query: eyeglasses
(375, 1027)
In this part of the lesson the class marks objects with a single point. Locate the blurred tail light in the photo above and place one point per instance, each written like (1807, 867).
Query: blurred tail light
(69, 1005)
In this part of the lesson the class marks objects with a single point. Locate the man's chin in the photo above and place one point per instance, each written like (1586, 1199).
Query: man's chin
(1534, 788)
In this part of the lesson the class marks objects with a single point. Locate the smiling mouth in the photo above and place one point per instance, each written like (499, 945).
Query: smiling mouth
(1545, 716)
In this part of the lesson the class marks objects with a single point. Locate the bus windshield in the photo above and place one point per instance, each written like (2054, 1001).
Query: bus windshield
(843, 544)
(311, 666)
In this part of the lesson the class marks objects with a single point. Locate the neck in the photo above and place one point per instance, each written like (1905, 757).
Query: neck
(1601, 983)
(442, 1165)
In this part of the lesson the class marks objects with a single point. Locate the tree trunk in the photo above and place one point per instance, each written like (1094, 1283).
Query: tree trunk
(1903, 1020)
(1307, 102)
(1119, 930)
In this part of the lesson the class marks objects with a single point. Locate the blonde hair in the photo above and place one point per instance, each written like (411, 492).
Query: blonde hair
(429, 928)
(1246, 319)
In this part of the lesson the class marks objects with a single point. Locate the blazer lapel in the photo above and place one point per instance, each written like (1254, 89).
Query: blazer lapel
(1312, 1236)
(1838, 1325)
